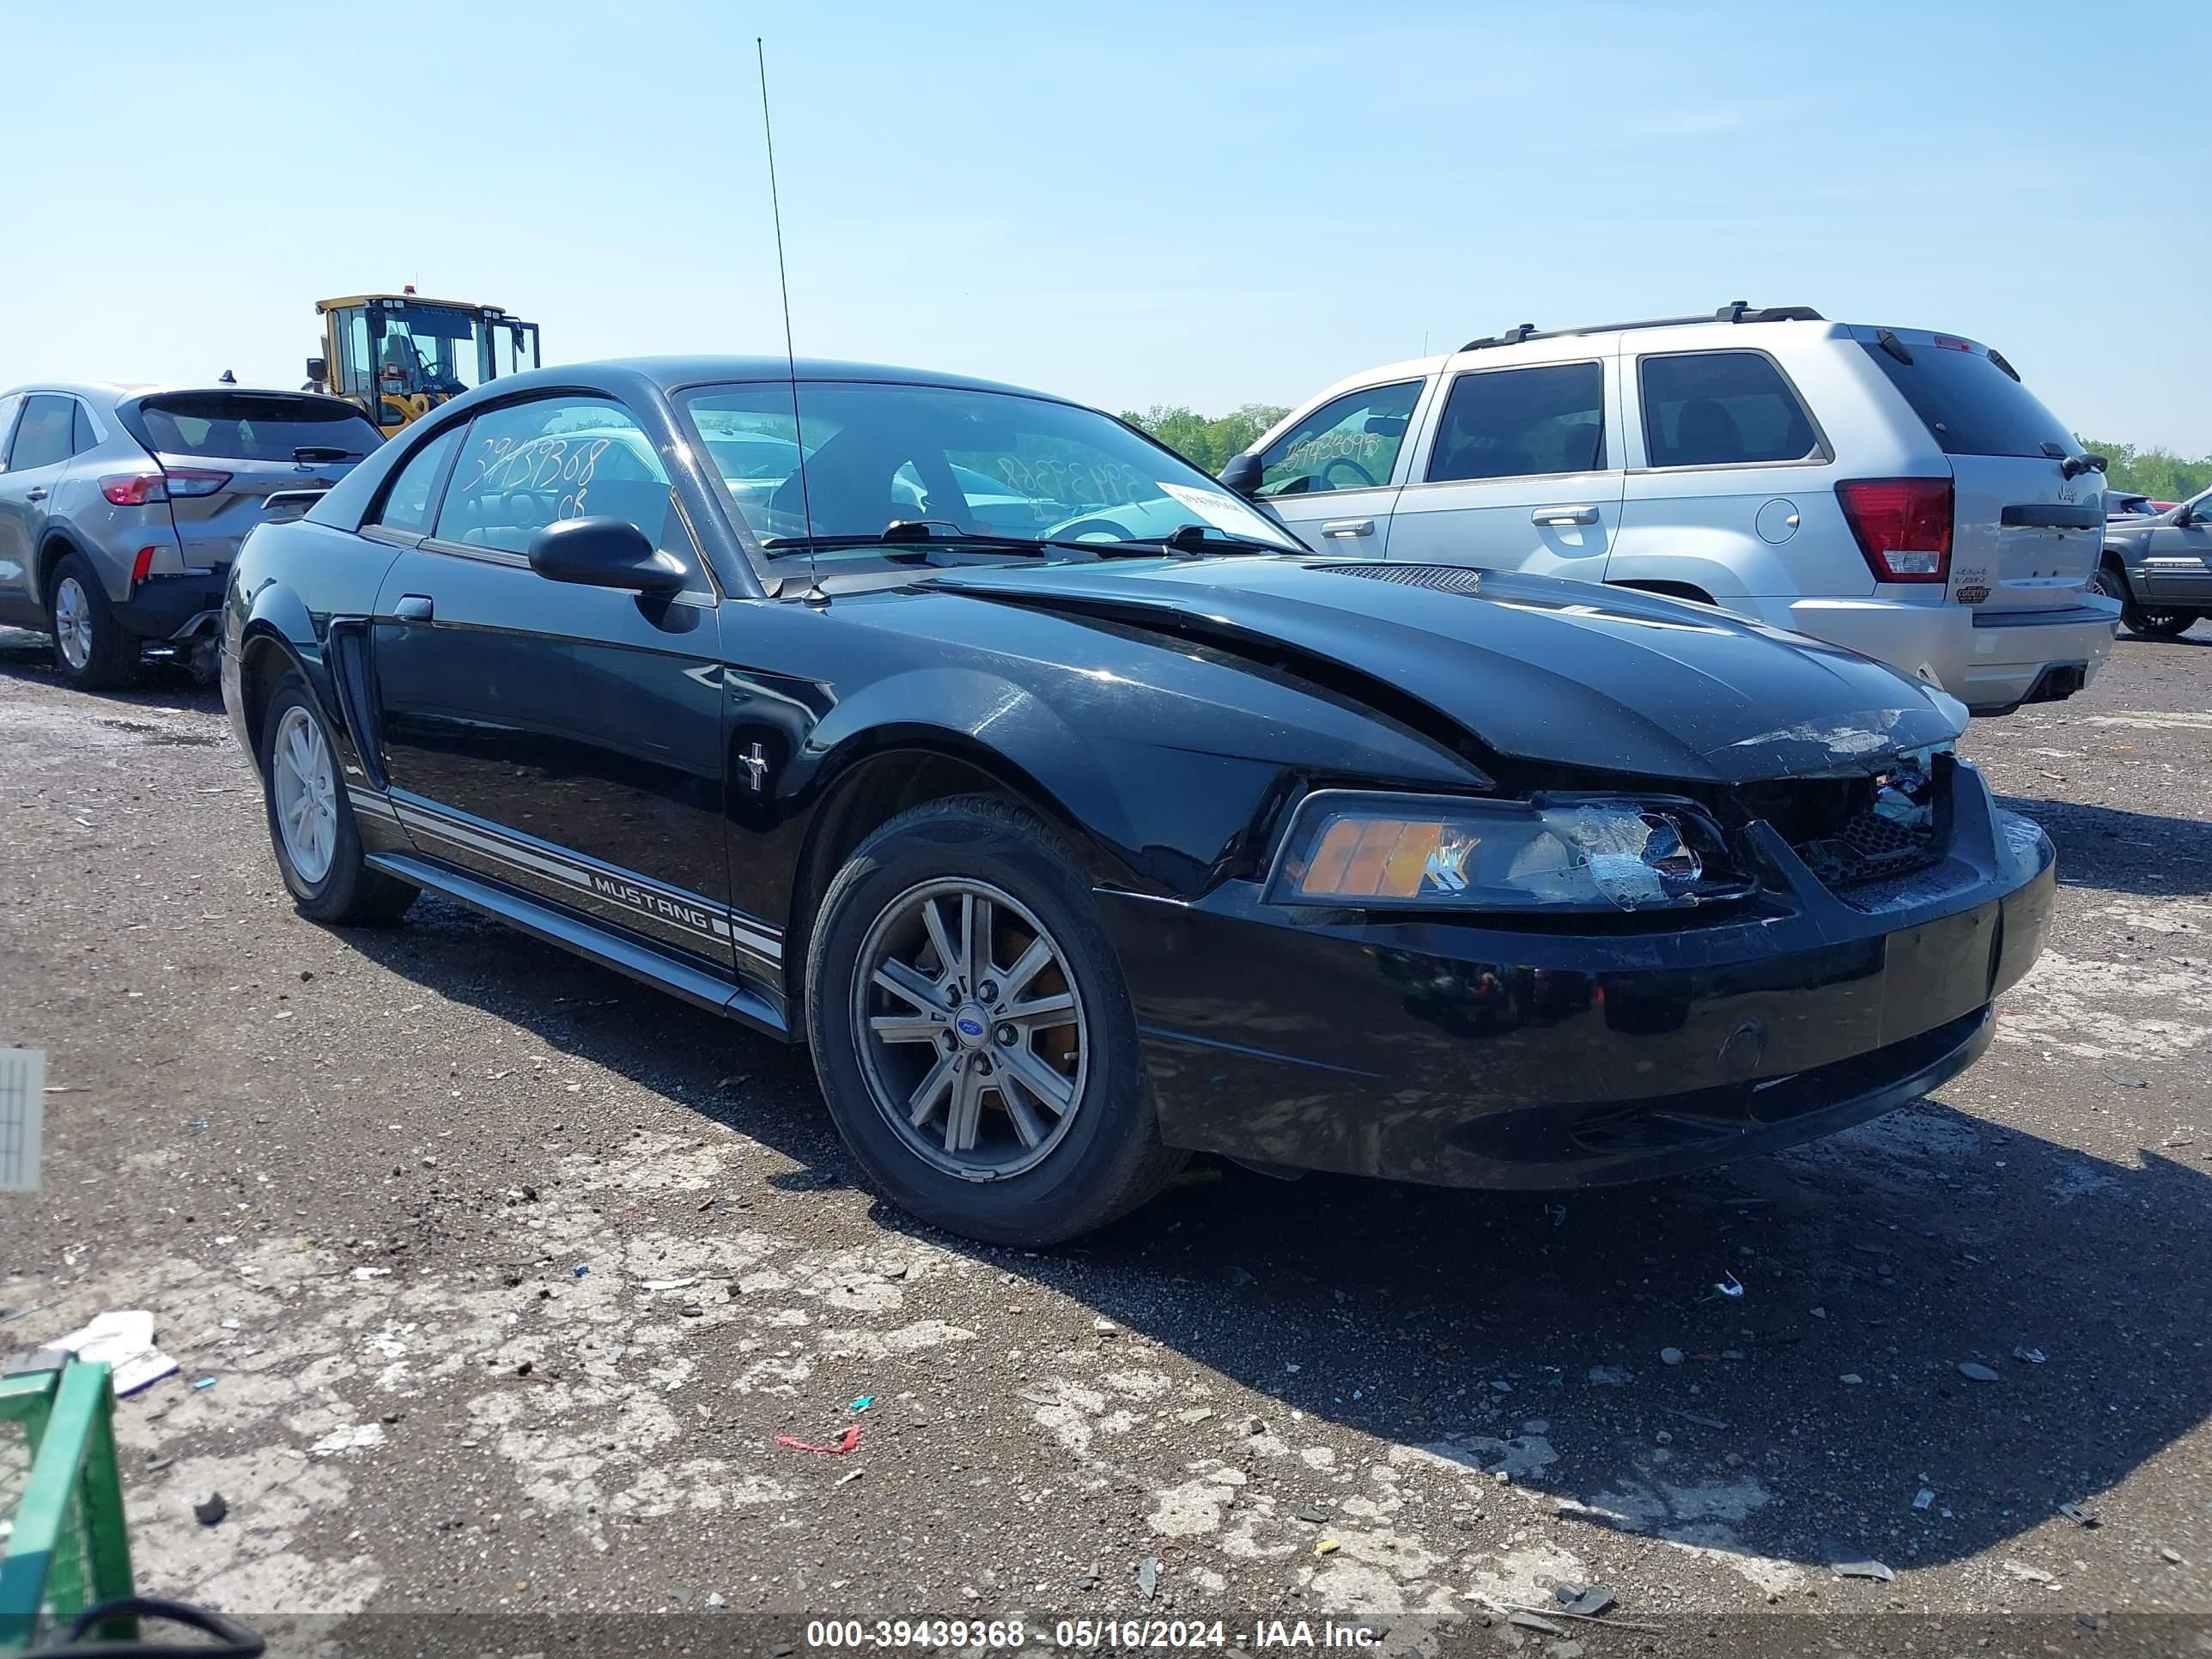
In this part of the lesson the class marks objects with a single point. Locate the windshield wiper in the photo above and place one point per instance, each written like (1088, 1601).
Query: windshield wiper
(1192, 539)
(907, 533)
(306, 454)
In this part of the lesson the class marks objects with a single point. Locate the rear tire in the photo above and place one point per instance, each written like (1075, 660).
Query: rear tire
(311, 822)
(2164, 624)
(91, 647)
(1029, 1036)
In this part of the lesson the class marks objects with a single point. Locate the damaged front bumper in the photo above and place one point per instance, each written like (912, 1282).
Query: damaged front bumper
(1588, 1050)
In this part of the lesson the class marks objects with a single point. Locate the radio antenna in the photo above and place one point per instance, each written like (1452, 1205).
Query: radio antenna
(814, 594)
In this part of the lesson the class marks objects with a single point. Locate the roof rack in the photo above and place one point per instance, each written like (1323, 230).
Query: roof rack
(1735, 310)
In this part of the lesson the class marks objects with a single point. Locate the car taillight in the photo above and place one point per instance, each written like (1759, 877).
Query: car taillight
(1902, 525)
(140, 489)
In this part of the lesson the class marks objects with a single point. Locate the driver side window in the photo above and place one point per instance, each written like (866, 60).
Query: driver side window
(526, 465)
(1350, 442)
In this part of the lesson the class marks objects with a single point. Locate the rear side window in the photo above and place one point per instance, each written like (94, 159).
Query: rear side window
(246, 426)
(82, 437)
(1521, 422)
(1722, 409)
(1970, 405)
(1350, 442)
(42, 436)
(409, 503)
(9, 405)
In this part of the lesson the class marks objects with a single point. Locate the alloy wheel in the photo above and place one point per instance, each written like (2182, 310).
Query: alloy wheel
(306, 786)
(971, 1029)
(73, 622)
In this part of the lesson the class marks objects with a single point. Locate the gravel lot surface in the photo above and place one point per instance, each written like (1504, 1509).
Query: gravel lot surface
(508, 1273)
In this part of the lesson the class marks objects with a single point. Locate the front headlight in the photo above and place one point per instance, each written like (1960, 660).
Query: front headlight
(1547, 854)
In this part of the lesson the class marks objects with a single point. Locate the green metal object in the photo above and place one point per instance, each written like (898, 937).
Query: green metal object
(68, 1547)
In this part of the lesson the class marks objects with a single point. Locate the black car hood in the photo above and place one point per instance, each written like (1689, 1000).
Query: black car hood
(1568, 672)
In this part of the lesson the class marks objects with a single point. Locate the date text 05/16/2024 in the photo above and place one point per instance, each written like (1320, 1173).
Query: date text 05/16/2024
(1007, 1635)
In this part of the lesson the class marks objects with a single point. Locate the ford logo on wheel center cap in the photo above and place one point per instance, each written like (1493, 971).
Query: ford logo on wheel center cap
(968, 1026)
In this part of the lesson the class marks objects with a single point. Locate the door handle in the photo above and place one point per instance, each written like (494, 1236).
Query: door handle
(414, 607)
(34, 495)
(1340, 527)
(1559, 515)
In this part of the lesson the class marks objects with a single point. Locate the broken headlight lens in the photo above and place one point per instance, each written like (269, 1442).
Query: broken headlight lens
(1553, 853)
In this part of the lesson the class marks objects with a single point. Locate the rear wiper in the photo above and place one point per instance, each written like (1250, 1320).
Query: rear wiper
(307, 453)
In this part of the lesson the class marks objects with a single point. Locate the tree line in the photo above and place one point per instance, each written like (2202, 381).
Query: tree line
(1208, 442)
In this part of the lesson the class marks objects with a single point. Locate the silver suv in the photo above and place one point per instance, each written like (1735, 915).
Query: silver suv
(121, 508)
(1893, 490)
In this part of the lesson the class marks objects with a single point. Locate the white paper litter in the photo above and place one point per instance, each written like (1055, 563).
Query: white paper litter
(124, 1340)
(670, 1284)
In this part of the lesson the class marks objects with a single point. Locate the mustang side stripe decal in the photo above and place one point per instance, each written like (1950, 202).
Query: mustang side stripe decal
(688, 911)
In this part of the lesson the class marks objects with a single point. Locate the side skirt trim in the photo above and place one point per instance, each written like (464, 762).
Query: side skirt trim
(640, 961)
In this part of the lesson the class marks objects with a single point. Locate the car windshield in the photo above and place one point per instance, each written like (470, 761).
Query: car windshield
(984, 465)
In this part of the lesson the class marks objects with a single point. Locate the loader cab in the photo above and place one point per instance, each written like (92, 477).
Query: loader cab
(398, 356)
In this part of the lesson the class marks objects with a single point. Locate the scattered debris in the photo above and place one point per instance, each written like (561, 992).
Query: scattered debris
(1313, 1515)
(581, 1268)
(203, 1383)
(2031, 1356)
(1978, 1372)
(1922, 1498)
(1699, 1418)
(2125, 1081)
(670, 1284)
(211, 1512)
(2171, 1556)
(123, 1340)
(1852, 1377)
(1148, 1577)
(1612, 1376)
(848, 1477)
(1558, 1212)
(2033, 1575)
(1670, 1356)
(1589, 1602)
(2079, 1514)
(1535, 1622)
(1845, 1564)
(843, 1443)
(1326, 1546)
(365, 1273)
(1728, 1286)
(862, 1403)
(1819, 1313)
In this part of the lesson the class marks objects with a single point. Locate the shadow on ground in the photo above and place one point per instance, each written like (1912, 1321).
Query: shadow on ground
(2124, 852)
(30, 657)
(1525, 1332)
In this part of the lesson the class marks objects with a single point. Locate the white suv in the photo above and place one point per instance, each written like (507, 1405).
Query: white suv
(1892, 490)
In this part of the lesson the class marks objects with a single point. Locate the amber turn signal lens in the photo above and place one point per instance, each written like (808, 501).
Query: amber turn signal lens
(1370, 858)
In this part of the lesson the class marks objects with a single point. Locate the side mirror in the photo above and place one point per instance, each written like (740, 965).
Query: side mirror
(1242, 475)
(319, 368)
(603, 552)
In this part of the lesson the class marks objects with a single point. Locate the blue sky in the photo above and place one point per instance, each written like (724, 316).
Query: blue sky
(1127, 204)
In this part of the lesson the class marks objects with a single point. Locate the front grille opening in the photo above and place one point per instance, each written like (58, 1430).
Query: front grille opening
(1852, 832)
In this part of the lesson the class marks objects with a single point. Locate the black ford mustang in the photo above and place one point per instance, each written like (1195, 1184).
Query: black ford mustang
(1077, 817)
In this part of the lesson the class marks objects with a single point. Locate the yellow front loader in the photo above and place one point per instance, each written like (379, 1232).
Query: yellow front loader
(400, 356)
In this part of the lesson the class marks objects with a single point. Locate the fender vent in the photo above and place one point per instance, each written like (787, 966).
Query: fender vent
(1441, 578)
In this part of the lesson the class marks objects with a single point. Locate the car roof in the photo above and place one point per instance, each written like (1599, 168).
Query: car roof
(109, 393)
(672, 374)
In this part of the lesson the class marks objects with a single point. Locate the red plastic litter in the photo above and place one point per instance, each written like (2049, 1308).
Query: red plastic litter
(843, 1443)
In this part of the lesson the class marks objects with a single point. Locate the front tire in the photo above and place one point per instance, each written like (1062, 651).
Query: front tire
(311, 822)
(91, 648)
(2143, 624)
(973, 1034)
